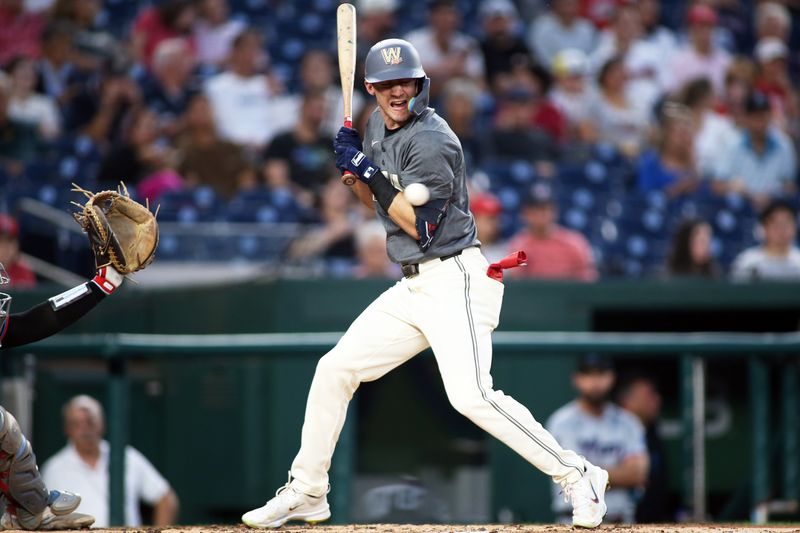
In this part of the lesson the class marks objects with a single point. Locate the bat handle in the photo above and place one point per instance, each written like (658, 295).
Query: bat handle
(348, 178)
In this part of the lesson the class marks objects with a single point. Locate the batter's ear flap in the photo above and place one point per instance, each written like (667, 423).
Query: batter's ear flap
(419, 103)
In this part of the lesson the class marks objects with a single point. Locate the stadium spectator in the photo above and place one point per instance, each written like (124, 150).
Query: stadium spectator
(370, 238)
(83, 464)
(760, 161)
(140, 160)
(501, 41)
(376, 22)
(670, 165)
(690, 253)
(739, 80)
(205, 159)
(553, 251)
(700, 56)
(333, 238)
(93, 44)
(654, 33)
(460, 102)
(20, 274)
(18, 142)
(317, 76)
(639, 395)
(644, 64)
(773, 20)
(605, 435)
(486, 209)
(561, 27)
(55, 70)
(167, 20)
(29, 107)
(301, 158)
(170, 86)
(512, 135)
(215, 31)
(620, 120)
(574, 94)
(777, 258)
(102, 107)
(21, 31)
(712, 131)
(448, 53)
(246, 108)
(774, 81)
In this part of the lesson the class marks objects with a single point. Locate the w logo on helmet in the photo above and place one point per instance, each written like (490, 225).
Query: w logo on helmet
(391, 56)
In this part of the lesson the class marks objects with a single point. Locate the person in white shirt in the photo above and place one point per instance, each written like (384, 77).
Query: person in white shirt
(645, 63)
(778, 258)
(247, 108)
(83, 464)
(561, 28)
(26, 105)
(701, 56)
(448, 53)
(215, 32)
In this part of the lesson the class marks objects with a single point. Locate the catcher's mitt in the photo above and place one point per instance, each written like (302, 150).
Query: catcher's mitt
(122, 232)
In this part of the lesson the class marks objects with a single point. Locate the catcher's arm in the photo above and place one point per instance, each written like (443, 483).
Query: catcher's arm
(60, 311)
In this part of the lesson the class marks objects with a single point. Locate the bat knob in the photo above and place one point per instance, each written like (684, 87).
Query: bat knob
(348, 179)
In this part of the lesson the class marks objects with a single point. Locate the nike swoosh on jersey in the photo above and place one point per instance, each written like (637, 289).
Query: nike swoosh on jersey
(374, 143)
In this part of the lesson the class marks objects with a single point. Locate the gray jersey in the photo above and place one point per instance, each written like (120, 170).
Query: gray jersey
(605, 441)
(425, 151)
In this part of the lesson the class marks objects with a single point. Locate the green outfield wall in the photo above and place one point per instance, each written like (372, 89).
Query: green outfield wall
(224, 429)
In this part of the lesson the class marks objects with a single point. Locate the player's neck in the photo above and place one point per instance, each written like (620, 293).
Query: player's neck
(592, 409)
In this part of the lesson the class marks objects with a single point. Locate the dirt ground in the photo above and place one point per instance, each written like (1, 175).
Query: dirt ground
(395, 528)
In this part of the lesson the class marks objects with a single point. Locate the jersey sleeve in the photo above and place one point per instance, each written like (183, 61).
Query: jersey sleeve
(151, 485)
(431, 159)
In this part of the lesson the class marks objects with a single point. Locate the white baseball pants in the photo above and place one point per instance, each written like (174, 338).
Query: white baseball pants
(453, 307)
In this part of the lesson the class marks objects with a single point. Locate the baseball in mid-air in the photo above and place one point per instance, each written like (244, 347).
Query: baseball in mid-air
(417, 194)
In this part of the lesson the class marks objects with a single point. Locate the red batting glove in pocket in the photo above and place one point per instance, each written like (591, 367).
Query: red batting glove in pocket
(495, 270)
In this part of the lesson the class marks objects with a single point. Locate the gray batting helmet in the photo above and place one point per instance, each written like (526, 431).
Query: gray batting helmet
(396, 59)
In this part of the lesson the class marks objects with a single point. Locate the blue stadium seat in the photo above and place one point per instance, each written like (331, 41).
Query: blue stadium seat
(200, 204)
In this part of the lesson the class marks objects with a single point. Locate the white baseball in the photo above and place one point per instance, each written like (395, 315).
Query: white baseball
(417, 194)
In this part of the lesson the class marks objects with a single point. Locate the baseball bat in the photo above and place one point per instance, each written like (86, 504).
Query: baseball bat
(346, 47)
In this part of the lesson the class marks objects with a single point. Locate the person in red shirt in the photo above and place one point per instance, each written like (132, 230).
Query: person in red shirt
(554, 252)
(20, 31)
(170, 19)
(22, 277)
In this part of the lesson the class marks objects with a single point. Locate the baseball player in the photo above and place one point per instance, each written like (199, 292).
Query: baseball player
(445, 300)
(28, 503)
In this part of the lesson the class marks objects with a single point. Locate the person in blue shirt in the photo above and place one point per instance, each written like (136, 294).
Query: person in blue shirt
(671, 166)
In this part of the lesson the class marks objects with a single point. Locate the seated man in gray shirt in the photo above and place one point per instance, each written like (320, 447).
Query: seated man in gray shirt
(606, 435)
(777, 258)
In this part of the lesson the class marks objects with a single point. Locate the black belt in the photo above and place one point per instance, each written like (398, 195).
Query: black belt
(411, 270)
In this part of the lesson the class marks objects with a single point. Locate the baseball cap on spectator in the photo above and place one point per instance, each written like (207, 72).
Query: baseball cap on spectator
(497, 8)
(770, 48)
(539, 195)
(701, 14)
(594, 362)
(485, 204)
(8, 226)
(570, 62)
(371, 7)
(756, 102)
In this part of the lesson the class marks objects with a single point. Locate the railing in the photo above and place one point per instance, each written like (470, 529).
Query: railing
(693, 350)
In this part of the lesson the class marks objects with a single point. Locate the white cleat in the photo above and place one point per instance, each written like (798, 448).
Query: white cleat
(587, 496)
(288, 504)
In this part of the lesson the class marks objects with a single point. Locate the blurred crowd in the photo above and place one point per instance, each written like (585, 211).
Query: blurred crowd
(686, 101)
